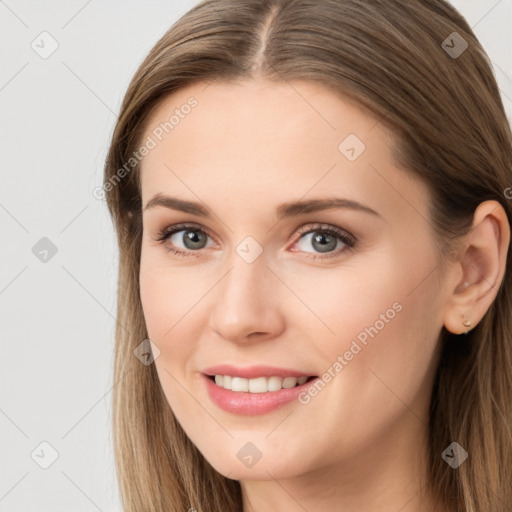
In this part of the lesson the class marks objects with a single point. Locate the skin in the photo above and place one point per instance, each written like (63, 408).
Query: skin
(246, 148)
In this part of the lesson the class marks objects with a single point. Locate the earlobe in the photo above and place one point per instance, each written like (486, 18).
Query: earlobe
(467, 324)
(460, 315)
(482, 266)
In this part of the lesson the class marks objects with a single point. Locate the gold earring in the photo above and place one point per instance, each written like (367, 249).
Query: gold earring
(466, 323)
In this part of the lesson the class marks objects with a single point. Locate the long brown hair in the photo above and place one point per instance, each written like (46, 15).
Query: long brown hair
(400, 60)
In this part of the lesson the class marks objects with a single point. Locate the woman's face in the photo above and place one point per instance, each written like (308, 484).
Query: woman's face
(269, 284)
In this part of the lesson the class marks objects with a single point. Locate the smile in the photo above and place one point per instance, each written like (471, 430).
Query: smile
(254, 395)
(258, 384)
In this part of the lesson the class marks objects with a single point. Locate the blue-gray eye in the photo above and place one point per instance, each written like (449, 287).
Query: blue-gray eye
(321, 241)
(191, 238)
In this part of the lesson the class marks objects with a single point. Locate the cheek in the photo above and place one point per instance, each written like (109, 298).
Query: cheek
(170, 296)
(170, 301)
(176, 304)
(381, 317)
(338, 305)
(381, 355)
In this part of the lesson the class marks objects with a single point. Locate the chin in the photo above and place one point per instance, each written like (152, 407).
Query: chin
(260, 471)
(237, 465)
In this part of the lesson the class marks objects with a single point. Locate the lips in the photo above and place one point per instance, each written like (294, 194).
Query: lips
(242, 401)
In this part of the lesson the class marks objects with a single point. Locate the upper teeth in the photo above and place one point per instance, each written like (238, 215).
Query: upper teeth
(259, 384)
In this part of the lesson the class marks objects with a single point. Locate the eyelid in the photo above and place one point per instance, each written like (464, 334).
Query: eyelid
(322, 226)
(181, 226)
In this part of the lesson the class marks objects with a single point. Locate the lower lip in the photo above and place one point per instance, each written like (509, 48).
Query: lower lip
(247, 404)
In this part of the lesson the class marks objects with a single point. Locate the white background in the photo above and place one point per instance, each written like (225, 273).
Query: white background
(57, 323)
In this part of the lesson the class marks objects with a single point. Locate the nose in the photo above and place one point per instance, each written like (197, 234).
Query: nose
(246, 303)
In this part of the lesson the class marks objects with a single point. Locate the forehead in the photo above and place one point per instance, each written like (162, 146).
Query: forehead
(261, 141)
(262, 111)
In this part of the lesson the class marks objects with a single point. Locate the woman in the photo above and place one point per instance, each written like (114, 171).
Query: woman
(314, 308)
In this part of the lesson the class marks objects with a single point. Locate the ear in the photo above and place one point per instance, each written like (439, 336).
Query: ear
(480, 270)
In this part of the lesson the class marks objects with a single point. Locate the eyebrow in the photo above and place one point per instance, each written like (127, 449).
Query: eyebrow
(290, 209)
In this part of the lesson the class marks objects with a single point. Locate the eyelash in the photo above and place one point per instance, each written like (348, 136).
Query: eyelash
(348, 240)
